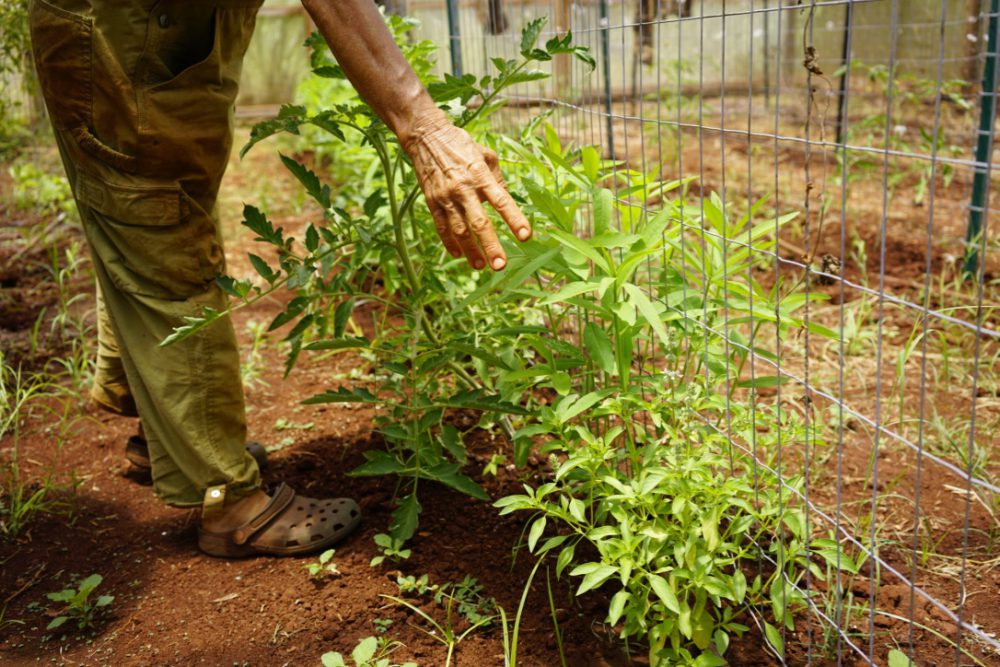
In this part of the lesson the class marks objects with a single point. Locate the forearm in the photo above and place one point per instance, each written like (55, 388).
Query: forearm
(373, 63)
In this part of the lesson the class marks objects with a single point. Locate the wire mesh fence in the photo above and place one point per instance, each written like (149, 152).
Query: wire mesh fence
(873, 119)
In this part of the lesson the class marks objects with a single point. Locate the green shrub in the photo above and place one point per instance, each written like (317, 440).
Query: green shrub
(641, 323)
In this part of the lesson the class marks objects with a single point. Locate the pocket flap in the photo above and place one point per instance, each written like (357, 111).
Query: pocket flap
(132, 205)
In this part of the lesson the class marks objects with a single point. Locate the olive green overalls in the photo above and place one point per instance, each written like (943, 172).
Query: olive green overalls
(141, 94)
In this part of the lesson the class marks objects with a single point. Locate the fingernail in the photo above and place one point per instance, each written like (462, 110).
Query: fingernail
(498, 263)
(478, 264)
(524, 234)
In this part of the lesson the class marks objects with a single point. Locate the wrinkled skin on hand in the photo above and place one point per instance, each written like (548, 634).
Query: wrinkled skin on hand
(457, 175)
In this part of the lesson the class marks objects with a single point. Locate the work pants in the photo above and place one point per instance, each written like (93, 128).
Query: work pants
(141, 95)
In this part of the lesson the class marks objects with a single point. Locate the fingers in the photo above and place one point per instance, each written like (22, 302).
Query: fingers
(493, 162)
(482, 230)
(456, 175)
(444, 231)
(504, 204)
(463, 234)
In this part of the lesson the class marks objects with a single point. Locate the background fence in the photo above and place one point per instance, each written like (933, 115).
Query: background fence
(873, 119)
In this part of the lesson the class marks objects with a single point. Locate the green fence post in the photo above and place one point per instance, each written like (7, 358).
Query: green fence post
(984, 145)
(454, 38)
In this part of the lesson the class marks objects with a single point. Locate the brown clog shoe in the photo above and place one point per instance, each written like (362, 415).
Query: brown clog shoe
(289, 525)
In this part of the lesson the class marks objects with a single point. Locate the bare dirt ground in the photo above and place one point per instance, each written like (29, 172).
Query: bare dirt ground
(174, 606)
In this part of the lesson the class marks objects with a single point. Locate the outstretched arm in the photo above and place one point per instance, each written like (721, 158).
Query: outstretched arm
(456, 174)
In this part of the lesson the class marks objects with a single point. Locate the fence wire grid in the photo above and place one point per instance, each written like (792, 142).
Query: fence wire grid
(874, 119)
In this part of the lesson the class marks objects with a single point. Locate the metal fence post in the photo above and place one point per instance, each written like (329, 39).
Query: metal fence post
(984, 144)
(454, 38)
(845, 60)
(606, 70)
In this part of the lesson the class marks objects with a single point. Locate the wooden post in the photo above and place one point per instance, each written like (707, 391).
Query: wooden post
(563, 62)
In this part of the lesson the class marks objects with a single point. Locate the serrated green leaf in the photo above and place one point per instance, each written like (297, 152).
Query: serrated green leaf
(529, 35)
(305, 176)
(405, 518)
(262, 268)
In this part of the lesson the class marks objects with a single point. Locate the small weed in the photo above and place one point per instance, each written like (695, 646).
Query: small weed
(22, 499)
(323, 566)
(79, 607)
(493, 465)
(370, 652)
(391, 549)
(418, 586)
(465, 599)
(382, 625)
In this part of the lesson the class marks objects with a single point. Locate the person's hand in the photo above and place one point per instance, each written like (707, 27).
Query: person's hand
(456, 175)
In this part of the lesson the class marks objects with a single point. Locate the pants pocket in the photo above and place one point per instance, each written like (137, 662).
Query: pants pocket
(62, 48)
(152, 238)
(186, 119)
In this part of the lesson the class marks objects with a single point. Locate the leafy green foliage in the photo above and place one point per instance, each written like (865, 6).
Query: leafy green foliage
(78, 605)
(375, 244)
(45, 193)
(619, 337)
(14, 67)
(643, 471)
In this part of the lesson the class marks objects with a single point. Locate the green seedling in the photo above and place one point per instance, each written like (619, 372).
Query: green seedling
(464, 599)
(323, 566)
(391, 548)
(493, 465)
(382, 625)
(78, 605)
(415, 585)
(370, 652)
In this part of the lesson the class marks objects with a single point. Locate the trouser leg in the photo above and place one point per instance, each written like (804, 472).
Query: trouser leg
(110, 389)
(140, 94)
(189, 395)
